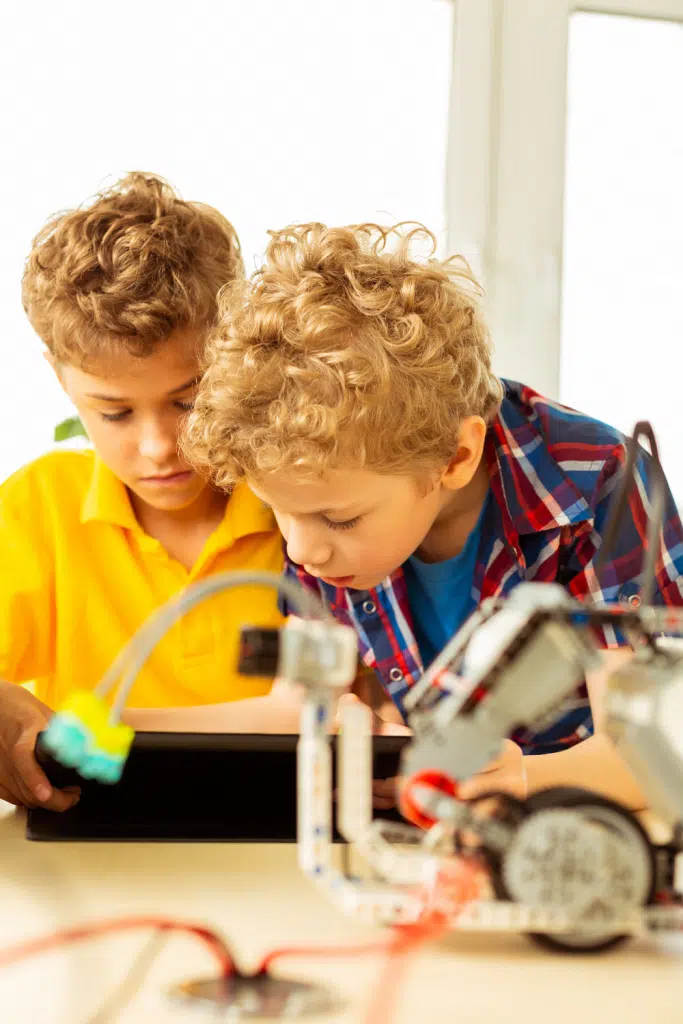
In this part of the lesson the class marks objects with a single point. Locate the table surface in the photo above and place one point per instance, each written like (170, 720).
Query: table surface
(256, 897)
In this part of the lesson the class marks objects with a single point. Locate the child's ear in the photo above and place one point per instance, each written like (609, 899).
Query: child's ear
(466, 461)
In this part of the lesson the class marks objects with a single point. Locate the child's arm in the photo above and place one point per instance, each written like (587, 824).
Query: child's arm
(277, 712)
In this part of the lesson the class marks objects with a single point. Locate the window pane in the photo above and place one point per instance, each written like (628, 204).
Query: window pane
(622, 344)
(274, 112)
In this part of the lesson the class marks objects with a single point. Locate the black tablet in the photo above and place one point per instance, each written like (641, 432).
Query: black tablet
(195, 787)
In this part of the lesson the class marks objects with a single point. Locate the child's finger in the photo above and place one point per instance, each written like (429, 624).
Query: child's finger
(384, 787)
(383, 803)
(477, 786)
(8, 796)
(392, 729)
(384, 793)
(27, 769)
(33, 779)
(347, 699)
(62, 800)
(21, 791)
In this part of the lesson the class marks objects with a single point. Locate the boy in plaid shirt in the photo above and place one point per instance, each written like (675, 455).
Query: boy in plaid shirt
(350, 383)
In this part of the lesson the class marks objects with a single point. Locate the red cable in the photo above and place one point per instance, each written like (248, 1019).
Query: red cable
(404, 940)
(381, 946)
(460, 882)
(35, 946)
(407, 941)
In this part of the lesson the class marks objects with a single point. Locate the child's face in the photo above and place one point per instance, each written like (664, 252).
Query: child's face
(132, 408)
(354, 527)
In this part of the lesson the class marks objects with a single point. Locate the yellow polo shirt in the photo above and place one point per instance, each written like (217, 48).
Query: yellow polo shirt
(78, 577)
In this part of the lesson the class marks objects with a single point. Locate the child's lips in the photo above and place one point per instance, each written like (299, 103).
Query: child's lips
(337, 581)
(169, 480)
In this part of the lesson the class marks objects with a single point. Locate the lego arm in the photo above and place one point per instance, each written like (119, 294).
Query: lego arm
(511, 670)
(593, 764)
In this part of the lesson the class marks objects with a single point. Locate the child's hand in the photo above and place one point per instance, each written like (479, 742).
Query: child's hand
(385, 793)
(22, 717)
(384, 721)
(507, 774)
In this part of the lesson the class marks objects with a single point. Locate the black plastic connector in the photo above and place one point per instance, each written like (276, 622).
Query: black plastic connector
(259, 651)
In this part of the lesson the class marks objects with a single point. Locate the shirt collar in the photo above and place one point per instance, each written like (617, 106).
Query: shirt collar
(532, 490)
(244, 514)
(106, 499)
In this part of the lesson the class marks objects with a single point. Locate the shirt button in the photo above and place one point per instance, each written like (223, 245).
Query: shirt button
(395, 675)
(629, 594)
(369, 607)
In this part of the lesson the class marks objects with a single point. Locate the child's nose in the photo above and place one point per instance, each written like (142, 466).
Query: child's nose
(305, 548)
(157, 444)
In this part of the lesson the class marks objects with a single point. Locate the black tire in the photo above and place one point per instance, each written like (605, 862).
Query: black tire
(568, 796)
(555, 944)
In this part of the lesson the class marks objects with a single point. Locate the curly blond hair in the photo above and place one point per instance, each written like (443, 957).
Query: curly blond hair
(127, 268)
(344, 348)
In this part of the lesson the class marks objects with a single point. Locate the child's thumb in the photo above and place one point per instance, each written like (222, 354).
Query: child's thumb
(348, 700)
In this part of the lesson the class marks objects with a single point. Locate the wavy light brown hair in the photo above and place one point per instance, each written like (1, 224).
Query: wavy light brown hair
(127, 269)
(345, 349)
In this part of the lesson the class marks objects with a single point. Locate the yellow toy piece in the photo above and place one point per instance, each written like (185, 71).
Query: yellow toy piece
(115, 740)
(93, 713)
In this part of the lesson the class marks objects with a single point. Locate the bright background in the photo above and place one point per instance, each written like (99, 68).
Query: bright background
(543, 142)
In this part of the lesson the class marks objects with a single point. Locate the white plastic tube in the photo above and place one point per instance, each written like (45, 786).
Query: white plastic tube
(314, 788)
(354, 809)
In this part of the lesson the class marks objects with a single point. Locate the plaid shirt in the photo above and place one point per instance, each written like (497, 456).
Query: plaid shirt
(552, 474)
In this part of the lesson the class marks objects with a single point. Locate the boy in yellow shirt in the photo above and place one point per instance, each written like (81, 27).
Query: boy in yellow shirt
(121, 293)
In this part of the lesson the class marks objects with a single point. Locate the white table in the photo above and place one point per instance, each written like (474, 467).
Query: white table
(256, 897)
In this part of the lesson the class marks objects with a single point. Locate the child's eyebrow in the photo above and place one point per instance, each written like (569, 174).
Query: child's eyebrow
(122, 398)
(340, 510)
(184, 387)
(317, 511)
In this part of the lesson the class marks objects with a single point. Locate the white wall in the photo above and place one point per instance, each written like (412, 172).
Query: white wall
(274, 112)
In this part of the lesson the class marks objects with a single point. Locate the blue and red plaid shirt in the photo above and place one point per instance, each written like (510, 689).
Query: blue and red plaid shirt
(553, 472)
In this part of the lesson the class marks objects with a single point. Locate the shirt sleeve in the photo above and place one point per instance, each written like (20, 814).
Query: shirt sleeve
(27, 605)
(620, 577)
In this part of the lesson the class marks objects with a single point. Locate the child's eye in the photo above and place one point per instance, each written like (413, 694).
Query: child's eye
(186, 406)
(348, 524)
(115, 417)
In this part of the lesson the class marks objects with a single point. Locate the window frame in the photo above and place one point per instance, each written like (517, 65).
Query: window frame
(506, 165)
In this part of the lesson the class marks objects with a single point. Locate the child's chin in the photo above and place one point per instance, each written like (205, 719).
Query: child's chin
(365, 582)
(170, 502)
